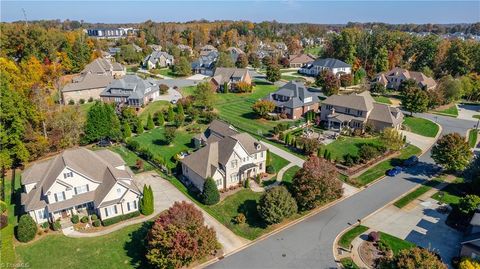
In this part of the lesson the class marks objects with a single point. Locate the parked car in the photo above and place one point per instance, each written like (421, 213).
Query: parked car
(394, 171)
(411, 161)
(174, 101)
(104, 143)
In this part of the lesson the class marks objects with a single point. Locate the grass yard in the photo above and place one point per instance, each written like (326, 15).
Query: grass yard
(314, 50)
(472, 138)
(379, 170)
(289, 174)
(476, 117)
(290, 78)
(452, 193)
(348, 263)
(123, 248)
(347, 238)
(12, 195)
(405, 200)
(151, 108)
(131, 158)
(382, 99)
(277, 162)
(451, 111)
(394, 243)
(344, 145)
(187, 91)
(421, 126)
(166, 72)
(85, 107)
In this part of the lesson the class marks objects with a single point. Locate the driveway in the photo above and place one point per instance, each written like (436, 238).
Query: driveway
(172, 94)
(178, 82)
(466, 112)
(420, 141)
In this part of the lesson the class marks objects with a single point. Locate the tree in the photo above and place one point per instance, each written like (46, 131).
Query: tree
(210, 194)
(146, 202)
(273, 73)
(472, 173)
(452, 152)
(163, 88)
(102, 122)
(378, 88)
(243, 86)
(170, 114)
(67, 128)
(310, 145)
(469, 263)
(179, 119)
(450, 88)
(468, 204)
(150, 124)
(160, 119)
(359, 76)
(178, 237)
(253, 60)
(27, 228)
(346, 80)
(182, 68)
(224, 60)
(329, 82)
(127, 131)
(415, 100)
(457, 62)
(242, 61)
(380, 61)
(276, 204)
(316, 183)
(139, 126)
(415, 258)
(392, 139)
(263, 107)
(204, 95)
(170, 134)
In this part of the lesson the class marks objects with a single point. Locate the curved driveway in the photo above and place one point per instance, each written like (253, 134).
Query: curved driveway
(308, 244)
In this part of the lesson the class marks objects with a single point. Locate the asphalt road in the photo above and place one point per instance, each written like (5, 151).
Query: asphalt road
(308, 244)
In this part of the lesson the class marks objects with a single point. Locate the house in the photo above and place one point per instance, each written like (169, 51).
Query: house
(294, 99)
(205, 64)
(230, 77)
(234, 53)
(114, 51)
(158, 59)
(111, 32)
(137, 48)
(357, 110)
(205, 50)
(93, 79)
(470, 245)
(335, 66)
(394, 78)
(186, 49)
(131, 90)
(227, 156)
(299, 60)
(79, 181)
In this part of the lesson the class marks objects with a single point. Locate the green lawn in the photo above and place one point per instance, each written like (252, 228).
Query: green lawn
(290, 78)
(130, 158)
(289, 174)
(344, 145)
(277, 162)
(348, 263)
(451, 111)
(187, 91)
(151, 108)
(382, 99)
(85, 107)
(7, 253)
(379, 170)
(154, 140)
(476, 116)
(452, 193)
(122, 249)
(405, 200)
(314, 50)
(472, 138)
(346, 239)
(421, 126)
(166, 72)
(394, 243)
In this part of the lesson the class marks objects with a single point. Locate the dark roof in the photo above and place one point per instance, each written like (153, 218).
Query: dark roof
(330, 63)
(206, 61)
(131, 86)
(297, 93)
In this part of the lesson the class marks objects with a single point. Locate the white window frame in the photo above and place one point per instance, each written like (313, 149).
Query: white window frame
(81, 189)
(56, 195)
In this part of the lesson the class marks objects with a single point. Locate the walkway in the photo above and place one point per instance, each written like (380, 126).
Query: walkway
(422, 142)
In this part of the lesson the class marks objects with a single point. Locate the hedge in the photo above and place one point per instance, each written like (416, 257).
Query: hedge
(27, 228)
(117, 219)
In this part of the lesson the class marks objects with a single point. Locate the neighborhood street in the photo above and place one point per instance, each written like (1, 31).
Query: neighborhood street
(309, 243)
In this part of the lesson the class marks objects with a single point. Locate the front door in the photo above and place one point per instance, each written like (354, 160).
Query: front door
(64, 213)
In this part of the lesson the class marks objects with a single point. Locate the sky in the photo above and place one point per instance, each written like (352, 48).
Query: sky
(290, 11)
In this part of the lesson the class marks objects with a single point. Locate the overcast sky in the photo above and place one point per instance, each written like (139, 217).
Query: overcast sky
(335, 12)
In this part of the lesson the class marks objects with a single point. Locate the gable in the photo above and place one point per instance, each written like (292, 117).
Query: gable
(64, 180)
(116, 192)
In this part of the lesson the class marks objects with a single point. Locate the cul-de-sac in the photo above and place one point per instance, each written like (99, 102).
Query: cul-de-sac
(240, 134)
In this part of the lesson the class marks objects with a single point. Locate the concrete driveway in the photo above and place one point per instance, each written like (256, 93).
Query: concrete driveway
(172, 94)
(466, 112)
(165, 194)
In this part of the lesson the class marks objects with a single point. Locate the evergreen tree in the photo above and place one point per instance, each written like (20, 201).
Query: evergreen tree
(210, 194)
(180, 110)
(171, 115)
(146, 203)
(276, 204)
(127, 131)
(27, 228)
(139, 126)
(160, 119)
(102, 122)
(150, 124)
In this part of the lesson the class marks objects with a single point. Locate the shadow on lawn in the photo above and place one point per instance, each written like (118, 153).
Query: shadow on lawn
(136, 248)
(249, 209)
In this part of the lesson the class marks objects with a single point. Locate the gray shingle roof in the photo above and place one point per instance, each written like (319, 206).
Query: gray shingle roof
(297, 94)
(155, 55)
(131, 86)
(330, 63)
(359, 101)
(223, 74)
(206, 61)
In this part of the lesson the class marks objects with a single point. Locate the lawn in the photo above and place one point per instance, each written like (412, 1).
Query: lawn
(379, 170)
(123, 249)
(344, 145)
(154, 140)
(166, 72)
(348, 263)
(290, 78)
(382, 99)
(472, 138)
(151, 108)
(236, 109)
(85, 107)
(187, 91)
(421, 126)
(130, 158)
(7, 253)
(451, 111)
(314, 50)
(346, 239)
(394, 243)
(452, 193)
(277, 162)
(405, 200)
(289, 174)
(476, 117)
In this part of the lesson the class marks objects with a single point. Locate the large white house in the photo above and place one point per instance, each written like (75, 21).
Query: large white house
(79, 181)
(335, 66)
(158, 59)
(227, 156)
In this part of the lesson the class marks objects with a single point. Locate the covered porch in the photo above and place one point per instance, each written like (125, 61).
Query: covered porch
(339, 121)
(247, 171)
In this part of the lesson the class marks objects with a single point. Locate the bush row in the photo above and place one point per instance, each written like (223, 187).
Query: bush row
(117, 219)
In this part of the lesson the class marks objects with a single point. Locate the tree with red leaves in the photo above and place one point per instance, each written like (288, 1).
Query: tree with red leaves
(178, 237)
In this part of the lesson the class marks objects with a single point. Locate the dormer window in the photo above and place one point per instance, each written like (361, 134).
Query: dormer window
(68, 174)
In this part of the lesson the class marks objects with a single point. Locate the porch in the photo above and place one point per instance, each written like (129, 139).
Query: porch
(64, 214)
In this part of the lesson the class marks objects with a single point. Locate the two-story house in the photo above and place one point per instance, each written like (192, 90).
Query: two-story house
(131, 90)
(335, 66)
(234, 53)
(229, 77)
(205, 50)
(205, 64)
(226, 155)
(294, 99)
(394, 78)
(356, 110)
(158, 59)
(79, 181)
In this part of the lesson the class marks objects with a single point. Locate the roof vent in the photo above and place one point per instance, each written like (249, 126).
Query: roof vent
(257, 145)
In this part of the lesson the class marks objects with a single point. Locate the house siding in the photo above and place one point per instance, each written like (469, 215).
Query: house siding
(82, 94)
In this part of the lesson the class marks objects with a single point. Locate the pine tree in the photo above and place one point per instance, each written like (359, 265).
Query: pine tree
(210, 194)
(150, 124)
(171, 115)
(180, 110)
(127, 131)
(160, 119)
(146, 203)
(325, 154)
(139, 126)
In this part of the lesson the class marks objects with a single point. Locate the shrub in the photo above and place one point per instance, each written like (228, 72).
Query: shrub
(71, 102)
(45, 225)
(146, 202)
(368, 152)
(75, 219)
(56, 226)
(210, 194)
(276, 205)
(117, 219)
(93, 217)
(27, 228)
(240, 218)
(270, 169)
(247, 183)
(96, 223)
(374, 236)
(90, 99)
(3, 207)
(82, 101)
(3, 221)
(84, 219)
(350, 160)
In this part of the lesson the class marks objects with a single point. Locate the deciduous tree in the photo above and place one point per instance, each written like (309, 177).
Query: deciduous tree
(415, 100)
(276, 204)
(273, 73)
(263, 107)
(452, 152)
(415, 258)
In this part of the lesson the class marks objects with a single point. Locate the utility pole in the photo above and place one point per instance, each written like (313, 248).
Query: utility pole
(25, 16)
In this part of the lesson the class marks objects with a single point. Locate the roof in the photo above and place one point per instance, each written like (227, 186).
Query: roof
(206, 61)
(386, 113)
(330, 63)
(223, 74)
(419, 77)
(300, 58)
(155, 55)
(87, 82)
(205, 50)
(101, 66)
(297, 94)
(99, 166)
(359, 101)
(131, 86)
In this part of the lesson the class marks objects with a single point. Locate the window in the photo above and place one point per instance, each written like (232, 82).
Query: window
(111, 210)
(261, 166)
(41, 214)
(135, 204)
(261, 154)
(359, 113)
(347, 110)
(59, 196)
(68, 174)
(128, 206)
(233, 177)
(81, 189)
(119, 191)
(234, 163)
(218, 182)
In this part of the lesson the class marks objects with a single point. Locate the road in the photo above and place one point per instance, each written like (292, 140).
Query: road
(308, 244)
